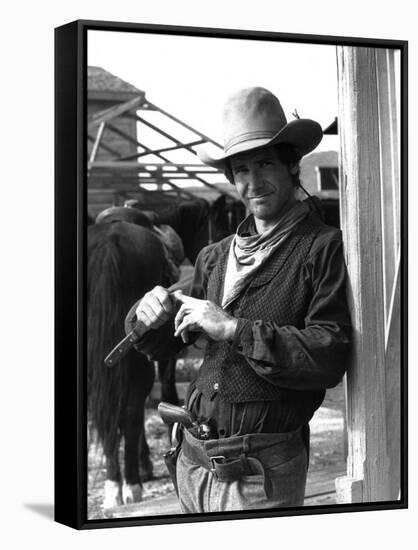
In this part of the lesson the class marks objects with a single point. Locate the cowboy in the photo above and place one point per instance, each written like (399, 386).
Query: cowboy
(271, 302)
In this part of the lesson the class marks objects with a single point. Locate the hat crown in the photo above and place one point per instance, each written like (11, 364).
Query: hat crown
(251, 113)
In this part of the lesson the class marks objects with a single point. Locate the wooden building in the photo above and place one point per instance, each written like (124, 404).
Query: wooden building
(104, 91)
(138, 150)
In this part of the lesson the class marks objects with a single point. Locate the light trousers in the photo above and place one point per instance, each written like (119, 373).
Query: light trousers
(200, 491)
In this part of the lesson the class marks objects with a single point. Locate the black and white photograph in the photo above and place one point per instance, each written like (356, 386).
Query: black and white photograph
(241, 223)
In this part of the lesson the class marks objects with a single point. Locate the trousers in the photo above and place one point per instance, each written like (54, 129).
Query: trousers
(283, 471)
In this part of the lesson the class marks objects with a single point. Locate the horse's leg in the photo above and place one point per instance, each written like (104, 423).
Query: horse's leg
(133, 425)
(167, 376)
(113, 483)
(145, 464)
(141, 379)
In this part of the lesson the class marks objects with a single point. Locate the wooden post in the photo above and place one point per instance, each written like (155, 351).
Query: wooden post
(390, 207)
(366, 131)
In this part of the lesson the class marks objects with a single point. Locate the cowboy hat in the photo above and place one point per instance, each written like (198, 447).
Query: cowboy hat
(253, 118)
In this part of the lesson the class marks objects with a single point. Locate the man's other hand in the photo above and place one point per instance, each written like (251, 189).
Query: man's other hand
(203, 316)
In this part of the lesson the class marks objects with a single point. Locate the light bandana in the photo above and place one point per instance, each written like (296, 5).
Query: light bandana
(247, 254)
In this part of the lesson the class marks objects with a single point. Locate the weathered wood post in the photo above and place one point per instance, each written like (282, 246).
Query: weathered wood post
(370, 222)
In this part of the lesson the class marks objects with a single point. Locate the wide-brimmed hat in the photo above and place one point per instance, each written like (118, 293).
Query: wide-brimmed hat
(253, 118)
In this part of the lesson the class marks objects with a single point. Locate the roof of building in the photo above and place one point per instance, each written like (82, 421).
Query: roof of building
(100, 80)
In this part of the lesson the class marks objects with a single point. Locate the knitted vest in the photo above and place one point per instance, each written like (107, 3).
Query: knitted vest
(278, 292)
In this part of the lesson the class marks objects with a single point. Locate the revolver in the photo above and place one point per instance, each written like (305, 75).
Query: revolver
(173, 414)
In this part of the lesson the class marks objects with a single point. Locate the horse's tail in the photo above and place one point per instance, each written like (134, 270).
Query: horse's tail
(109, 298)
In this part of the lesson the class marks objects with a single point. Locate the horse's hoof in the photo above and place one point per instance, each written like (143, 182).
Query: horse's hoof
(131, 493)
(113, 494)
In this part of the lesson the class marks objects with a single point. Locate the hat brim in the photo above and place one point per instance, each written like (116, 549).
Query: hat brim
(303, 134)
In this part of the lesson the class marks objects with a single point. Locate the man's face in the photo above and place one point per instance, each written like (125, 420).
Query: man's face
(264, 184)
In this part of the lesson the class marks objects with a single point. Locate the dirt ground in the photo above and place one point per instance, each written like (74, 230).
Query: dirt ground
(327, 449)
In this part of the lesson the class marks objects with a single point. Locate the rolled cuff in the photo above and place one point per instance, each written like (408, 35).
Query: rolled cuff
(242, 341)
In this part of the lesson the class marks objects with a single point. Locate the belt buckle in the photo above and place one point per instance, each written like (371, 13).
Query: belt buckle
(213, 461)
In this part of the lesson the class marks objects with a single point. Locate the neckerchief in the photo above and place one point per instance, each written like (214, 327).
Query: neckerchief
(247, 253)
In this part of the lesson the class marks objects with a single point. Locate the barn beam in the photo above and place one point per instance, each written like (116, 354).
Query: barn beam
(164, 149)
(105, 147)
(134, 165)
(190, 149)
(128, 109)
(149, 151)
(178, 144)
(97, 141)
(124, 186)
(113, 112)
(168, 115)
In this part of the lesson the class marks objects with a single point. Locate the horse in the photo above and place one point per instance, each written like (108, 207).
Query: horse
(188, 218)
(124, 261)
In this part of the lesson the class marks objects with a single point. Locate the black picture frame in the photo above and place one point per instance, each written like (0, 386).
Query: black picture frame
(70, 272)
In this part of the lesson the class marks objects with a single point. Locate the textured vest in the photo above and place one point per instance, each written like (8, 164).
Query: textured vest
(279, 292)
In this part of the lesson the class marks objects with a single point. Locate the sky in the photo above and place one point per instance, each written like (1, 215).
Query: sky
(191, 77)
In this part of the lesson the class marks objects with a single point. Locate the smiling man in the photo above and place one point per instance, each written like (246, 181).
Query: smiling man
(265, 185)
(271, 302)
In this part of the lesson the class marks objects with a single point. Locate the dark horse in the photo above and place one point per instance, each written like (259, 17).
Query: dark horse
(124, 262)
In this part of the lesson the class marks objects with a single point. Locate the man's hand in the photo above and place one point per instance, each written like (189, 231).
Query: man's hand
(155, 308)
(204, 316)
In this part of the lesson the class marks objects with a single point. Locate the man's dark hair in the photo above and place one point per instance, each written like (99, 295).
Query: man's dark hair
(286, 154)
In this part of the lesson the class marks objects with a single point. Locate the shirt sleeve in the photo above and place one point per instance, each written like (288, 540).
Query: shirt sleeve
(315, 356)
(158, 344)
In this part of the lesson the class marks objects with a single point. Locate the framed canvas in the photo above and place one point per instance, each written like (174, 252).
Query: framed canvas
(135, 205)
